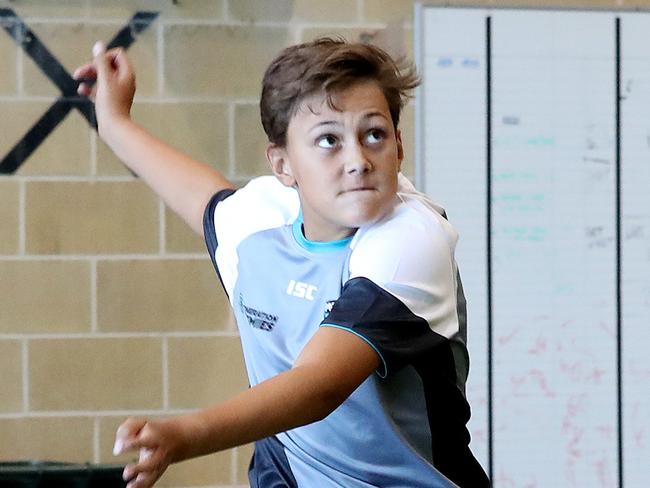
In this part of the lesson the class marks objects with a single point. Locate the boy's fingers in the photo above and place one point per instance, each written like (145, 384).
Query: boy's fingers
(85, 72)
(132, 470)
(123, 66)
(86, 75)
(143, 480)
(126, 435)
(148, 467)
(98, 48)
(131, 426)
(84, 89)
(102, 59)
(135, 478)
(143, 444)
(112, 62)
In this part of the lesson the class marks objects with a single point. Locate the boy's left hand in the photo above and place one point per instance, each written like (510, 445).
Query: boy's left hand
(111, 80)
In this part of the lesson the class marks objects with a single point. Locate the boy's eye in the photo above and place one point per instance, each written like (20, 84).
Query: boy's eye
(374, 136)
(327, 141)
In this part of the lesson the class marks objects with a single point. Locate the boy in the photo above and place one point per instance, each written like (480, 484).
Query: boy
(341, 277)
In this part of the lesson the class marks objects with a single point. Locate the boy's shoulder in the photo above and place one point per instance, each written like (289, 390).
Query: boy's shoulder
(263, 203)
(414, 218)
(266, 192)
(414, 240)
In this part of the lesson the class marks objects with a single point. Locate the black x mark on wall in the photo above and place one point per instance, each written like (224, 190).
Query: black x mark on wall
(50, 66)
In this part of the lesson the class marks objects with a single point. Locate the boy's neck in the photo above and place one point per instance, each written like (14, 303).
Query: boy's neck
(326, 235)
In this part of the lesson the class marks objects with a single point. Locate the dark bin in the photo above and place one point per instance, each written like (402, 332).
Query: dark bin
(49, 474)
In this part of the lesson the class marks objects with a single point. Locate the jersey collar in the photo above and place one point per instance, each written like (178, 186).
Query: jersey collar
(316, 246)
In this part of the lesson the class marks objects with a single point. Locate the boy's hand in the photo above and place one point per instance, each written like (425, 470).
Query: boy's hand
(111, 80)
(157, 442)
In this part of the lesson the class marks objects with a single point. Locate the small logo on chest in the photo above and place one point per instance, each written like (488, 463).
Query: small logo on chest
(301, 290)
(257, 318)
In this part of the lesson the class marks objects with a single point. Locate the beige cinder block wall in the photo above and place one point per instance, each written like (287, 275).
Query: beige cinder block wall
(109, 306)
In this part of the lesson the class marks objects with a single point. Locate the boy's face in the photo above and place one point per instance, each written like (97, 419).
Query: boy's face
(343, 162)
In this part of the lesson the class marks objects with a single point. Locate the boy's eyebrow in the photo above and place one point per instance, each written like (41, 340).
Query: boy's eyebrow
(324, 122)
(374, 114)
(369, 115)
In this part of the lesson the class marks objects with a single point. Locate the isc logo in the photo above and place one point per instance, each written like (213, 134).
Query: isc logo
(301, 290)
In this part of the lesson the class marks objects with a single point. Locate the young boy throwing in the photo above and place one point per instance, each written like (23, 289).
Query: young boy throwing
(341, 276)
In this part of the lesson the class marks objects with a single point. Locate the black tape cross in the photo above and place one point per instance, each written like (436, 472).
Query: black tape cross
(51, 67)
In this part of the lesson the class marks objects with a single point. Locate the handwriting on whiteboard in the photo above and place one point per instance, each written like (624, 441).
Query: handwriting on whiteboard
(463, 62)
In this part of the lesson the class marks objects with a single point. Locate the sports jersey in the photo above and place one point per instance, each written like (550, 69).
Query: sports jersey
(395, 285)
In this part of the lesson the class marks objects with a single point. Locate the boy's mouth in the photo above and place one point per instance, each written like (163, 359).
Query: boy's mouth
(358, 189)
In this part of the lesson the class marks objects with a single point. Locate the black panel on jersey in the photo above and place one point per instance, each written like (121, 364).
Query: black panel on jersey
(402, 338)
(269, 467)
(209, 232)
(448, 414)
(399, 335)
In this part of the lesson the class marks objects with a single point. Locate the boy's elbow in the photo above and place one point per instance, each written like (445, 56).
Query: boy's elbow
(322, 394)
(329, 397)
(325, 403)
(194, 214)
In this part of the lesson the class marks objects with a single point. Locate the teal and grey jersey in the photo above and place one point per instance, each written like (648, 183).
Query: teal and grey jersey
(394, 284)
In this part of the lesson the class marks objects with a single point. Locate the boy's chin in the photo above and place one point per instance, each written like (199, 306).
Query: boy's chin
(365, 219)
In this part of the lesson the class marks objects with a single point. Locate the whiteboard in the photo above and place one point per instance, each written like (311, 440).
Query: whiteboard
(516, 136)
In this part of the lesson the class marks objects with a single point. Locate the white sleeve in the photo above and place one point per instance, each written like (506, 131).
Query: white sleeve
(411, 255)
(264, 203)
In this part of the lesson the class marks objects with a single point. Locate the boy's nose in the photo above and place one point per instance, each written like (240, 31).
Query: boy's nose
(357, 161)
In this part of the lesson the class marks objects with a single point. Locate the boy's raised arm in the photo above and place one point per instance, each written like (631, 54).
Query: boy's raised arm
(184, 184)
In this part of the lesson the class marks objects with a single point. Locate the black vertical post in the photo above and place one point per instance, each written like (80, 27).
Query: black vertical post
(488, 94)
(619, 314)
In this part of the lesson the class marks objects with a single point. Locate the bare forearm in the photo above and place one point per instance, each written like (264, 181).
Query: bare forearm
(330, 367)
(284, 402)
(184, 184)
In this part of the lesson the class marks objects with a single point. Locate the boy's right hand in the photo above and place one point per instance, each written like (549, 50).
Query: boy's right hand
(157, 443)
(111, 80)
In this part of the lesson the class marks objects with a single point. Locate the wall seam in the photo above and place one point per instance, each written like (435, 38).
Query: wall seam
(231, 140)
(20, 75)
(162, 227)
(96, 446)
(165, 372)
(94, 318)
(160, 39)
(234, 461)
(25, 371)
(22, 203)
(93, 154)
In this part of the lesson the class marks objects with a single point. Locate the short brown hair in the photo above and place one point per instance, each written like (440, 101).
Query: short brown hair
(326, 66)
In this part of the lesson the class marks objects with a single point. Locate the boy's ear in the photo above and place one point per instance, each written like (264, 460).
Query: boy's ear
(400, 149)
(279, 162)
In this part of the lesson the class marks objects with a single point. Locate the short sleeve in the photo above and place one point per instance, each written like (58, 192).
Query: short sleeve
(231, 217)
(209, 231)
(397, 335)
(402, 295)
